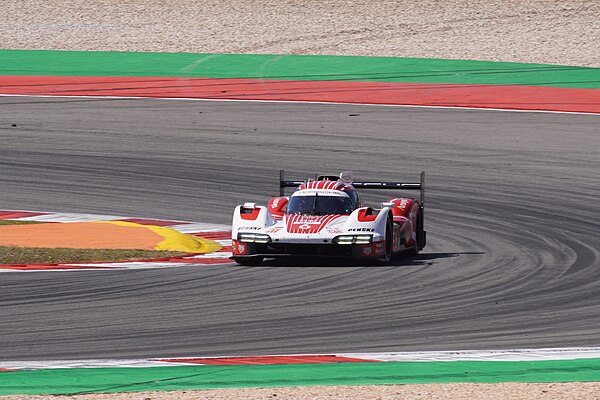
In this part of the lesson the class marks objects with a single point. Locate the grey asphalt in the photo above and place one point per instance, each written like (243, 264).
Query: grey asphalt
(513, 221)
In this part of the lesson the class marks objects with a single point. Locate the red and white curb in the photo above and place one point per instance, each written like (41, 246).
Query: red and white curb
(426, 356)
(218, 233)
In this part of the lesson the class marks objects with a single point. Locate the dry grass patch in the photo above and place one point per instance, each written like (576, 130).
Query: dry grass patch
(25, 255)
(15, 222)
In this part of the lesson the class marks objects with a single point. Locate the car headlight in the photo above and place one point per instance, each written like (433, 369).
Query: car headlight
(250, 237)
(353, 239)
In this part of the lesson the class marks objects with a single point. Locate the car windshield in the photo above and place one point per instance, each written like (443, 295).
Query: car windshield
(320, 205)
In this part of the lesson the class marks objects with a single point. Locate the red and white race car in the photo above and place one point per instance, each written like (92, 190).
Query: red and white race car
(325, 218)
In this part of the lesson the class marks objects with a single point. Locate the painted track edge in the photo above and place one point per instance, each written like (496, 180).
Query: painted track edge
(220, 233)
(303, 102)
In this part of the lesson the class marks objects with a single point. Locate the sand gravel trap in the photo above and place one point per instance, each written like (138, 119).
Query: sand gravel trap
(538, 31)
(463, 391)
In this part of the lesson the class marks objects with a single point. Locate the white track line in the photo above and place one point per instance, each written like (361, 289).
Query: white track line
(485, 355)
(68, 217)
(573, 353)
(200, 227)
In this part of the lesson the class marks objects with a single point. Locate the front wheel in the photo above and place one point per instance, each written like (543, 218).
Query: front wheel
(389, 241)
(248, 261)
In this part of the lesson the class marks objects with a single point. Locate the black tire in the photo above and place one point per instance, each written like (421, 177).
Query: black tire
(389, 241)
(250, 262)
(415, 250)
(419, 245)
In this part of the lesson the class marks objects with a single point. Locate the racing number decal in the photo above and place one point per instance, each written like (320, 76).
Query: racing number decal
(403, 204)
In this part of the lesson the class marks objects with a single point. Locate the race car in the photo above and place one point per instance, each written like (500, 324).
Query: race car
(324, 217)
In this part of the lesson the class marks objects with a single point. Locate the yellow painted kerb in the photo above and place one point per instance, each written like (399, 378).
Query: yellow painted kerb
(174, 240)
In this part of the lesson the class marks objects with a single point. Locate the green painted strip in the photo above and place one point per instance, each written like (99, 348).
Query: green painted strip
(293, 67)
(94, 380)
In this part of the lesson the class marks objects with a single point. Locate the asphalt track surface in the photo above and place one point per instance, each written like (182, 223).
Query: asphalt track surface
(512, 214)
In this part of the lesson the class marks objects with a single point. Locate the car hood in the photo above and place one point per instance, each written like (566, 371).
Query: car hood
(310, 224)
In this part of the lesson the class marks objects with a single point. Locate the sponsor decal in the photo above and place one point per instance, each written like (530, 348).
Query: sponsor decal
(308, 223)
(273, 230)
(361, 230)
(403, 204)
(249, 228)
(238, 247)
(373, 250)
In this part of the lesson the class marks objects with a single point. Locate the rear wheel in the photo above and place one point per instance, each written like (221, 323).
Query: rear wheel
(420, 235)
(415, 250)
(248, 261)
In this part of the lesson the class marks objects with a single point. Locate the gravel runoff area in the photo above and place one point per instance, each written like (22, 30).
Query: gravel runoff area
(536, 31)
(461, 391)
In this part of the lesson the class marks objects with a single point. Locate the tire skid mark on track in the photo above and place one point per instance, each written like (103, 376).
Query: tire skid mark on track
(504, 191)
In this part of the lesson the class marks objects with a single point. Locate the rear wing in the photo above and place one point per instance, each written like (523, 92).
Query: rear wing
(363, 185)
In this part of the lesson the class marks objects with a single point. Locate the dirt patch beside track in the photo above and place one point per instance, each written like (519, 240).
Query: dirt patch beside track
(80, 235)
(459, 391)
(534, 31)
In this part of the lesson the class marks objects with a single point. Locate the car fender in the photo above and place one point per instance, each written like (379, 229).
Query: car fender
(405, 213)
(277, 206)
(250, 218)
(368, 220)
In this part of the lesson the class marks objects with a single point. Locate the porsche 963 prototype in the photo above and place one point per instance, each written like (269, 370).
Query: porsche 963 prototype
(324, 217)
